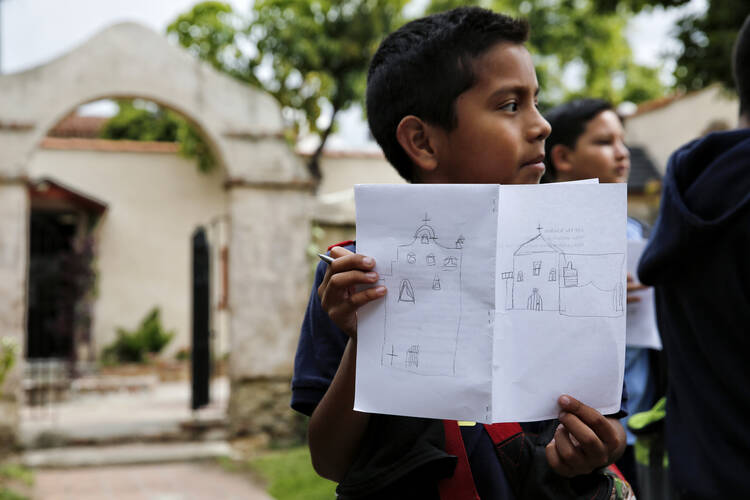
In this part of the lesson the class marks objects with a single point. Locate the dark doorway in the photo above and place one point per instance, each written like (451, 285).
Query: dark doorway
(61, 275)
(50, 323)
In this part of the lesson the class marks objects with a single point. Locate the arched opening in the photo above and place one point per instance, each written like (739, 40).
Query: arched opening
(114, 203)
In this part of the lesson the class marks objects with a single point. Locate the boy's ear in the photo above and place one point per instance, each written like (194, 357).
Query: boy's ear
(560, 158)
(417, 139)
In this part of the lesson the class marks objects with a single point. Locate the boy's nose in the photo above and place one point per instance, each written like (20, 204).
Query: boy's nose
(540, 129)
(622, 150)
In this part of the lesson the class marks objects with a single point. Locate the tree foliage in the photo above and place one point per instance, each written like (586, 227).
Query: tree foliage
(707, 42)
(309, 54)
(583, 38)
(146, 121)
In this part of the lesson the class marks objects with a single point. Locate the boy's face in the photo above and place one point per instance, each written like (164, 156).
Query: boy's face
(500, 133)
(600, 151)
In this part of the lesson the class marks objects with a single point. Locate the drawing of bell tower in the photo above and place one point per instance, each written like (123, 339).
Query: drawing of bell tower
(427, 278)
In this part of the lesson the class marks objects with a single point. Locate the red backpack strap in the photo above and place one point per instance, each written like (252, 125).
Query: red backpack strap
(460, 486)
(510, 445)
(500, 432)
(341, 244)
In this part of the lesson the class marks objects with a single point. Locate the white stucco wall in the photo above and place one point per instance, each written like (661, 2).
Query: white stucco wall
(341, 171)
(662, 130)
(155, 201)
(13, 259)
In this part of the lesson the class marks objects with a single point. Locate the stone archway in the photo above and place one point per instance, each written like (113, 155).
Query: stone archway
(269, 193)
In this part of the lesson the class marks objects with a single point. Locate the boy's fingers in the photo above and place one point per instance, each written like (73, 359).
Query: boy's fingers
(592, 418)
(363, 297)
(632, 299)
(634, 286)
(570, 453)
(348, 279)
(589, 443)
(344, 260)
(555, 461)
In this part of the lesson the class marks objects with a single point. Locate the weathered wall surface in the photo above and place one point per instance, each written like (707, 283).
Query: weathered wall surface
(13, 237)
(143, 255)
(664, 129)
(268, 186)
(270, 231)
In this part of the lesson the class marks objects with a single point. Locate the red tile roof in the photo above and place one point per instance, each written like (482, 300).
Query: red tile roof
(78, 144)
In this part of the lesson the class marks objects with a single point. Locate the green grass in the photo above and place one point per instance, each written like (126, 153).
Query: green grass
(290, 476)
(10, 473)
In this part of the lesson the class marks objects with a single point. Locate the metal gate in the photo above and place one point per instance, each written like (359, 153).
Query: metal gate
(201, 350)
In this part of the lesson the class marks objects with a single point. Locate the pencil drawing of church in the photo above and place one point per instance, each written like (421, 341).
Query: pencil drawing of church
(545, 278)
(424, 278)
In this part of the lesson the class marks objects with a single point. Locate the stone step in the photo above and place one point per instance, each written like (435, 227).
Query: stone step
(111, 433)
(126, 454)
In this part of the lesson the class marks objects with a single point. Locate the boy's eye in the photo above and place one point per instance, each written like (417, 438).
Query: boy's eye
(510, 106)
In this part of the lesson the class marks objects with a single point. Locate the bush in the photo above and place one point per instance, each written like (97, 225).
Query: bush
(134, 347)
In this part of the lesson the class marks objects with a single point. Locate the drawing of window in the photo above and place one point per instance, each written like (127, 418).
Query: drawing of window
(406, 292)
(508, 275)
(430, 260)
(436, 283)
(537, 267)
(617, 297)
(520, 276)
(412, 357)
(553, 275)
(425, 239)
(570, 275)
(411, 258)
(534, 302)
(450, 262)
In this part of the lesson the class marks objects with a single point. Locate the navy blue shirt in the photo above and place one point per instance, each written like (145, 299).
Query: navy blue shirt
(321, 346)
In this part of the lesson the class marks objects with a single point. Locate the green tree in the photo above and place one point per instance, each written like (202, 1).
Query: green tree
(146, 121)
(585, 37)
(707, 42)
(309, 54)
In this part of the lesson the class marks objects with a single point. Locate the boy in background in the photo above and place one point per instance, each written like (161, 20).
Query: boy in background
(588, 141)
(451, 98)
(698, 262)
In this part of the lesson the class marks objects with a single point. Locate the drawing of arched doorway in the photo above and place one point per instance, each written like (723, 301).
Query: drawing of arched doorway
(406, 292)
(534, 302)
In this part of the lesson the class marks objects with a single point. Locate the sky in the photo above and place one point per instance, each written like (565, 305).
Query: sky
(33, 32)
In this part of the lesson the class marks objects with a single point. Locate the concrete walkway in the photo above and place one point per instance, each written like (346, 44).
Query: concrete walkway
(183, 481)
(155, 414)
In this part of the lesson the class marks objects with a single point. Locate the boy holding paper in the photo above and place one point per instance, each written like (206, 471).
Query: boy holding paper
(451, 98)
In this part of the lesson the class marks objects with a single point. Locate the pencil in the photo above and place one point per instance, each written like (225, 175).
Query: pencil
(326, 258)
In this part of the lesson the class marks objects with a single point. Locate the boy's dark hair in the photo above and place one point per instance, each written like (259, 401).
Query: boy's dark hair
(568, 121)
(421, 68)
(741, 67)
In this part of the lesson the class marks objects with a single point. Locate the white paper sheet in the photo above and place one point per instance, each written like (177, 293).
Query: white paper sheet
(458, 335)
(641, 318)
(426, 348)
(560, 324)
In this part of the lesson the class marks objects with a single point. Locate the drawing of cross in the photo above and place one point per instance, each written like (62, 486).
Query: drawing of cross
(392, 354)
(539, 228)
(426, 219)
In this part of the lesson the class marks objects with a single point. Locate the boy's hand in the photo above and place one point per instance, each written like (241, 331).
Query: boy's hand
(337, 291)
(633, 287)
(585, 440)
